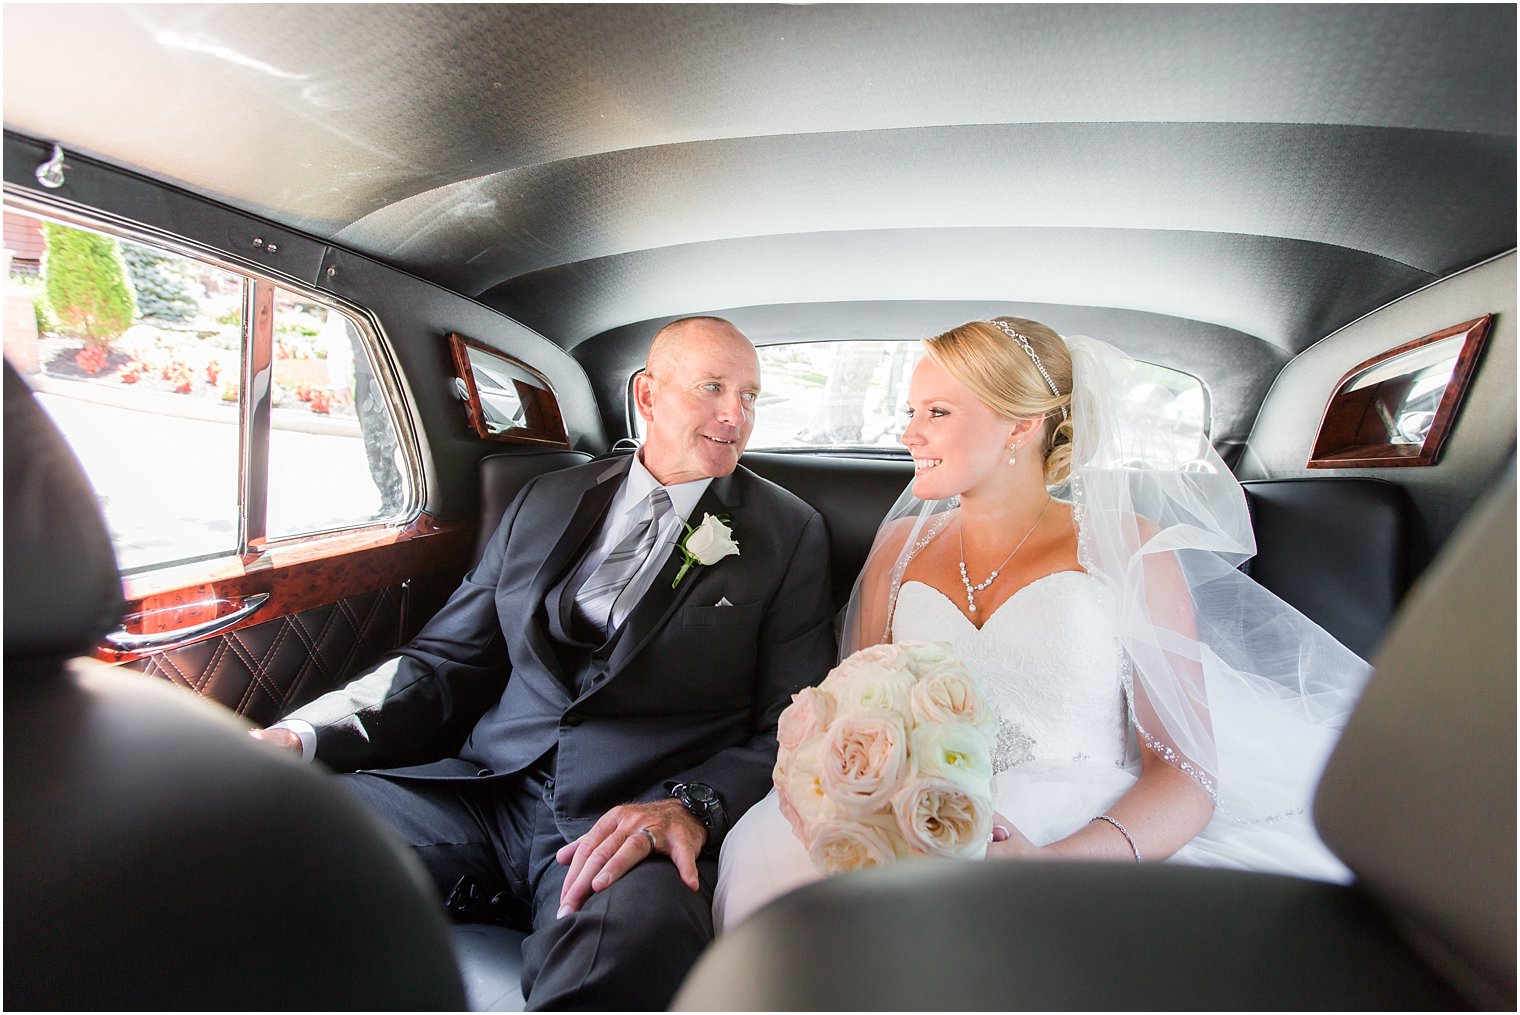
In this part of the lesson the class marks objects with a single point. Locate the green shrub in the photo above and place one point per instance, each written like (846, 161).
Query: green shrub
(162, 284)
(86, 282)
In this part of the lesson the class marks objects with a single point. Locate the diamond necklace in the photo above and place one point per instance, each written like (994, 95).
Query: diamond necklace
(972, 590)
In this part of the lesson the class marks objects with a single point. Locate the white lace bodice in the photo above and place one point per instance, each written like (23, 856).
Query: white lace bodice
(1048, 659)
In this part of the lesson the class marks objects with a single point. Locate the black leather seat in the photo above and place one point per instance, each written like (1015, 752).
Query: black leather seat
(1418, 800)
(490, 956)
(502, 478)
(1334, 548)
(156, 858)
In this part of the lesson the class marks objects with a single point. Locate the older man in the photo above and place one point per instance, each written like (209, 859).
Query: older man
(584, 719)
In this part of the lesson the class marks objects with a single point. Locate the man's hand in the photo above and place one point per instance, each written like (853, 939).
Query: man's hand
(282, 738)
(618, 842)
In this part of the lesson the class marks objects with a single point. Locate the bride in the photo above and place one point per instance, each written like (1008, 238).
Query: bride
(1079, 550)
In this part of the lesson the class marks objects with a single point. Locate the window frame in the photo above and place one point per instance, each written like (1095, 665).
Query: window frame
(256, 397)
(1335, 444)
(543, 424)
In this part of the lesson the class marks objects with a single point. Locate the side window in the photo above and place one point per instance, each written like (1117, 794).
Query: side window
(334, 460)
(1397, 408)
(851, 395)
(214, 411)
(504, 398)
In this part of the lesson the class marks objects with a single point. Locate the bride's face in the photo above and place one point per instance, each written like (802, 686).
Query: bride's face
(957, 442)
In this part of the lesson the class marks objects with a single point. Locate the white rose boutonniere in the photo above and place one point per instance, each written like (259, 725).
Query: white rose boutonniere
(705, 544)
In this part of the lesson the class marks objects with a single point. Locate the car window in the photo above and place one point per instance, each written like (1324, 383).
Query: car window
(141, 355)
(852, 395)
(1398, 407)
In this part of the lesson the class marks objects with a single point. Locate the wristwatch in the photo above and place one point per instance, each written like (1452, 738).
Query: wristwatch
(701, 801)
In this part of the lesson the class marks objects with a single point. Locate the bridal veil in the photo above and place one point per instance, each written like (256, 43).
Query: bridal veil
(1223, 679)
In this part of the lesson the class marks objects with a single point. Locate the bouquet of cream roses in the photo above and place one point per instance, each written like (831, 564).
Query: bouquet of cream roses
(889, 757)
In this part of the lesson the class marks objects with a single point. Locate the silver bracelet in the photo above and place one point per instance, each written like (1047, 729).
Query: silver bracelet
(1122, 831)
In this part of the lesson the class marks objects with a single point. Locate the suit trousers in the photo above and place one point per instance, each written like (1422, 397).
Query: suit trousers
(629, 946)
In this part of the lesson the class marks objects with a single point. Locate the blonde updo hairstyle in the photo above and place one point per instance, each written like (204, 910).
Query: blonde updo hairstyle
(997, 369)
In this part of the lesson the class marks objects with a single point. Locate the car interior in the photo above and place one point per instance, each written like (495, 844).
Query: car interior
(442, 236)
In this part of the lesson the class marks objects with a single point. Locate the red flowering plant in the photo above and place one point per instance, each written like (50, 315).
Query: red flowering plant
(92, 359)
(178, 374)
(130, 372)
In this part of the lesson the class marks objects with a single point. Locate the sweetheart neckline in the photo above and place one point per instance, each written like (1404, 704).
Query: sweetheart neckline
(994, 613)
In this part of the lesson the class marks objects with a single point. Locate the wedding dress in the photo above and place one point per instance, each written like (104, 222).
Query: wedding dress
(1159, 643)
(1050, 662)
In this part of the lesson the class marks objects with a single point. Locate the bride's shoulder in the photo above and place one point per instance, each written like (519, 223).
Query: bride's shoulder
(893, 536)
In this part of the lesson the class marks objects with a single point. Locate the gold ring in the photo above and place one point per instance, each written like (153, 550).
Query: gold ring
(654, 847)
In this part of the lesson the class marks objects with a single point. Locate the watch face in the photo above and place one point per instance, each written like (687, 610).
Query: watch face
(700, 793)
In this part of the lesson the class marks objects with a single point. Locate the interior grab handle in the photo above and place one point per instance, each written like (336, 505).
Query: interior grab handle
(240, 609)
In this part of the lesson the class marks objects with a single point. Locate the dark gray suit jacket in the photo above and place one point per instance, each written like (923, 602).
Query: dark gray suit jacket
(686, 691)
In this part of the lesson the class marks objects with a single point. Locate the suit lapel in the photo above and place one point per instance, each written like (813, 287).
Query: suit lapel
(567, 550)
(660, 603)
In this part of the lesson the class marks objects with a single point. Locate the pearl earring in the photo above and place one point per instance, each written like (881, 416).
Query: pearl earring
(1013, 452)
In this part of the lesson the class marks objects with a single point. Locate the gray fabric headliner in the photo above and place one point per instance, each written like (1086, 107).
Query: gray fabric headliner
(1288, 292)
(1277, 171)
(1297, 181)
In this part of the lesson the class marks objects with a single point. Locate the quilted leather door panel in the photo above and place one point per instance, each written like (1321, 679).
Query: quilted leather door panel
(263, 671)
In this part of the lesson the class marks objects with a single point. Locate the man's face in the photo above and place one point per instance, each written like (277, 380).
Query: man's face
(698, 403)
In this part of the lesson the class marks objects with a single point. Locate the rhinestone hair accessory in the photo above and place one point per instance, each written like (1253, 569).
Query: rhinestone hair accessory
(1029, 348)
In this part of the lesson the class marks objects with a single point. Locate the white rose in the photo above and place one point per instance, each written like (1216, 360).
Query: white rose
(883, 655)
(926, 656)
(874, 688)
(952, 751)
(711, 541)
(843, 845)
(940, 818)
(799, 791)
(949, 693)
(805, 718)
(864, 758)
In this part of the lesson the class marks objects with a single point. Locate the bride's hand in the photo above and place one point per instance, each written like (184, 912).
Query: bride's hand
(1008, 842)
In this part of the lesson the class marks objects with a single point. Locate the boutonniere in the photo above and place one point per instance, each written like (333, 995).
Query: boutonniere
(705, 544)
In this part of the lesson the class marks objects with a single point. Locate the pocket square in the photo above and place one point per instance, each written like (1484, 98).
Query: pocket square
(723, 602)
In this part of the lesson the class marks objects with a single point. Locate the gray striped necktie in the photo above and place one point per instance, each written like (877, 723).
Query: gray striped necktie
(594, 601)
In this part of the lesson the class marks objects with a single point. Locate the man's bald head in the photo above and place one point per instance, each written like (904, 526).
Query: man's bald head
(668, 341)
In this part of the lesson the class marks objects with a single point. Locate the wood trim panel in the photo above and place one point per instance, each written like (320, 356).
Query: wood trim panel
(546, 426)
(1341, 444)
(297, 574)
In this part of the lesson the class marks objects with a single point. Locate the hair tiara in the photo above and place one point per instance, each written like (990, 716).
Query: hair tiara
(1008, 330)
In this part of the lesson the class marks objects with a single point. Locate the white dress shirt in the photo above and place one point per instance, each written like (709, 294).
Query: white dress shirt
(624, 513)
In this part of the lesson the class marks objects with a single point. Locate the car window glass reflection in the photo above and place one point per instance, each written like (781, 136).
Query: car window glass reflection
(132, 350)
(137, 352)
(332, 446)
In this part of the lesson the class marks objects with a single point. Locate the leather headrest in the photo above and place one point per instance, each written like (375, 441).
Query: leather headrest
(1419, 796)
(62, 589)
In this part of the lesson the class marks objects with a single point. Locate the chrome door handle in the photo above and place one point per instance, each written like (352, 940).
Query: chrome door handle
(242, 608)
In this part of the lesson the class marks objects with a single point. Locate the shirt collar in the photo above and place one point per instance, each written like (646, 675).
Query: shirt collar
(683, 496)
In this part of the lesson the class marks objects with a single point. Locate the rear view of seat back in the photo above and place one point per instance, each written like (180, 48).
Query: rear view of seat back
(1335, 549)
(1419, 796)
(156, 858)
